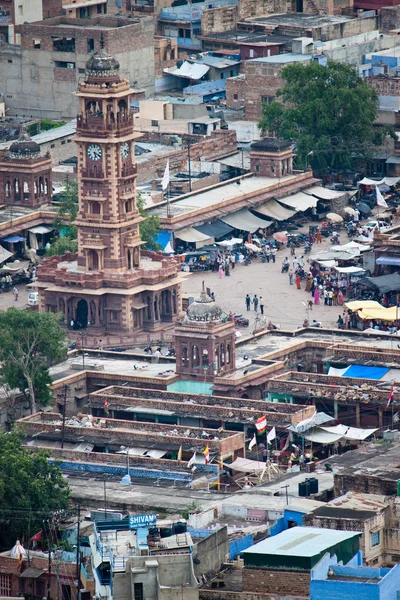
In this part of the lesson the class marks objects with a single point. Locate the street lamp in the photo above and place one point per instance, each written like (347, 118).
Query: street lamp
(126, 480)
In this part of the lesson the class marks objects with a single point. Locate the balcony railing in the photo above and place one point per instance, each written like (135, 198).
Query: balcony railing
(93, 172)
(99, 123)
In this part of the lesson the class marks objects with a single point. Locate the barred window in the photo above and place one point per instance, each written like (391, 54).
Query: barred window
(5, 585)
(375, 538)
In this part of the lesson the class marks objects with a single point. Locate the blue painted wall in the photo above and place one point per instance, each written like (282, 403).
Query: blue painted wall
(242, 543)
(382, 584)
(283, 523)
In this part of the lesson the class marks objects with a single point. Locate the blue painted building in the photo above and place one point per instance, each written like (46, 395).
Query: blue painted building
(336, 582)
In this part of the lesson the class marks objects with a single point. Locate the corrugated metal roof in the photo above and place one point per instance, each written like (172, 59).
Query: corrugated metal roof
(301, 541)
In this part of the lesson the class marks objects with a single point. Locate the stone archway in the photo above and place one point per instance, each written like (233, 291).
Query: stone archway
(82, 311)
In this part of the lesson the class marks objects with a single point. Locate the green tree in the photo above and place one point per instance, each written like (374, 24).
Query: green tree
(30, 489)
(68, 209)
(62, 245)
(328, 111)
(30, 342)
(150, 227)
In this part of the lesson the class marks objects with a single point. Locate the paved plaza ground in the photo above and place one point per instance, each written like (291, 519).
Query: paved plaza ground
(283, 302)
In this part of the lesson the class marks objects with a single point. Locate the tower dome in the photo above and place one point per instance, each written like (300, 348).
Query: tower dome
(102, 67)
(203, 309)
(24, 147)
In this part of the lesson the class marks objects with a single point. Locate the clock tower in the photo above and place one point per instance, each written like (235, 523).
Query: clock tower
(108, 218)
(110, 287)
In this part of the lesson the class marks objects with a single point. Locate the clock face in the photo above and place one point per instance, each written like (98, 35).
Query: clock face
(125, 150)
(94, 152)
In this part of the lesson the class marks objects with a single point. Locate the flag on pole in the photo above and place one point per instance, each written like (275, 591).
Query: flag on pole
(179, 457)
(105, 406)
(37, 537)
(380, 200)
(252, 442)
(286, 446)
(165, 179)
(261, 424)
(390, 397)
(206, 454)
(271, 435)
(191, 461)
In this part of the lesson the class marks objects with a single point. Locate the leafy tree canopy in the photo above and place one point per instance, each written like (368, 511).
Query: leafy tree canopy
(30, 342)
(30, 488)
(62, 245)
(328, 111)
(150, 227)
(68, 207)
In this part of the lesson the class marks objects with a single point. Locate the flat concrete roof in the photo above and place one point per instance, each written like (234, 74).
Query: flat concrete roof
(302, 19)
(282, 59)
(301, 541)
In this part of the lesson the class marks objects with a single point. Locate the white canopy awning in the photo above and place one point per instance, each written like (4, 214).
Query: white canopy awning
(41, 229)
(350, 433)
(275, 211)
(189, 234)
(351, 247)
(4, 254)
(386, 180)
(188, 70)
(245, 465)
(245, 220)
(329, 435)
(300, 201)
(230, 243)
(323, 193)
(349, 270)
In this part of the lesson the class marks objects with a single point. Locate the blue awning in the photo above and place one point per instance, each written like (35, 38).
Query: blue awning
(216, 230)
(388, 260)
(12, 239)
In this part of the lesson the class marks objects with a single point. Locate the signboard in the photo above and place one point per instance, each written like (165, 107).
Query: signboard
(142, 521)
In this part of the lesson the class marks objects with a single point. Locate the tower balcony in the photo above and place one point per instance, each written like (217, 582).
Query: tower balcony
(93, 173)
(129, 170)
(101, 125)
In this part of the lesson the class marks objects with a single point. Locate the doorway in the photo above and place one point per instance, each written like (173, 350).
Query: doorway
(82, 314)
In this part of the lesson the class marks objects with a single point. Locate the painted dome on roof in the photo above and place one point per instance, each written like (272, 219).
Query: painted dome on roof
(102, 64)
(24, 147)
(203, 309)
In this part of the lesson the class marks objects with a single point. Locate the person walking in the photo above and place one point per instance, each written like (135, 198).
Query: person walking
(298, 282)
(221, 271)
(295, 263)
(316, 295)
(318, 237)
(15, 292)
(301, 261)
(273, 254)
(255, 303)
(233, 261)
(326, 297)
(340, 322)
(291, 276)
(268, 253)
(248, 301)
(261, 301)
(330, 297)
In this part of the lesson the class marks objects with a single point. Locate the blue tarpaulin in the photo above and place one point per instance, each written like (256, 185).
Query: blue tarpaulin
(163, 239)
(12, 239)
(363, 372)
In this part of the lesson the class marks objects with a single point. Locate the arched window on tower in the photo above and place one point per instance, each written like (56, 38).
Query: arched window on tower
(185, 357)
(195, 356)
(8, 189)
(95, 208)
